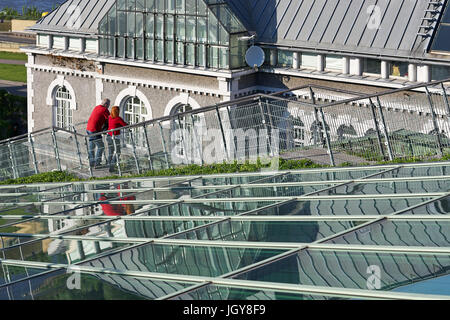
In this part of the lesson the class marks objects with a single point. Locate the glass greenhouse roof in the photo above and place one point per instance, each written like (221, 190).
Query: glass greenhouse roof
(340, 233)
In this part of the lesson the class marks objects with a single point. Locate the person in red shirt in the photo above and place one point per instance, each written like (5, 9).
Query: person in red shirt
(114, 122)
(97, 123)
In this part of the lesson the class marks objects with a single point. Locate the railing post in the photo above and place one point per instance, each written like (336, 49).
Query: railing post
(313, 95)
(231, 134)
(116, 156)
(261, 110)
(78, 147)
(133, 144)
(13, 162)
(181, 131)
(197, 142)
(316, 115)
(147, 142)
(327, 137)
(385, 130)
(219, 118)
(444, 94)
(89, 160)
(377, 127)
(33, 153)
(163, 145)
(55, 147)
(435, 123)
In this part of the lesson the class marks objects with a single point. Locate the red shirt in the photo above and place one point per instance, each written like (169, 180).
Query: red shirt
(115, 123)
(97, 119)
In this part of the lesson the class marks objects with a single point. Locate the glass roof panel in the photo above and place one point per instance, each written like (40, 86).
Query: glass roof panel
(53, 286)
(391, 187)
(59, 251)
(441, 206)
(15, 273)
(341, 207)
(422, 171)
(186, 260)
(400, 233)
(270, 231)
(131, 212)
(213, 292)
(353, 269)
(261, 192)
(438, 285)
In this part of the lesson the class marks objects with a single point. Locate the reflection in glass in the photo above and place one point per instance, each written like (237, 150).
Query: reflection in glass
(350, 269)
(187, 260)
(269, 231)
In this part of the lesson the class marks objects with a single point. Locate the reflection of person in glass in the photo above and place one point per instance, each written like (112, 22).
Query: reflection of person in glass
(117, 209)
(121, 209)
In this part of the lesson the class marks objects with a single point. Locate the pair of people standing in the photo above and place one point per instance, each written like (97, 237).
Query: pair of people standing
(102, 120)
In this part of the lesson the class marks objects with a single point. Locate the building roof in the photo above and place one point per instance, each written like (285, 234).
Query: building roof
(75, 16)
(347, 26)
(340, 25)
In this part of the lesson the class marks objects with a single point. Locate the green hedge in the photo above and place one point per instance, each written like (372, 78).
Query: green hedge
(56, 176)
(193, 170)
(28, 13)
(190, 170)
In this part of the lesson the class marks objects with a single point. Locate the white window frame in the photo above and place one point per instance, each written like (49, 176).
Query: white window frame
(63, 111)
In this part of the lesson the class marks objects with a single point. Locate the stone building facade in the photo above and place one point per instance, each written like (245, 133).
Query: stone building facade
(155, 58)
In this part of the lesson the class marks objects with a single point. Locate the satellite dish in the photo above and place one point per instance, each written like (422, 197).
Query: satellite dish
(255, 57)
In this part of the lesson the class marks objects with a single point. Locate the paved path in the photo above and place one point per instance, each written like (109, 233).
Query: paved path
(7, 61)
(8, 37)
(16, 88)
(320, 156)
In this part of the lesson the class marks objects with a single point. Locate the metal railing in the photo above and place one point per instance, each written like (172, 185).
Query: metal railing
(328, 125)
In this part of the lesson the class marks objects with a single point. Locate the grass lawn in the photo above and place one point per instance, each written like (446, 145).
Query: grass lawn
(13, 56)
(13, 72)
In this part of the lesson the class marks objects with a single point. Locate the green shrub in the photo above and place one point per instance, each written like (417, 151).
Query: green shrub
(13, 115)
(55, 176)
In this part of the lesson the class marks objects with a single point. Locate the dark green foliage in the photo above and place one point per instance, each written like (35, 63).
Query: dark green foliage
(13, 115)
(28, 13)
(193, 170)
(55, 176)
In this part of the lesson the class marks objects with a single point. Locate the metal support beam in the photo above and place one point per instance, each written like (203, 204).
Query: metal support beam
(183, 140)
(435, 123)
(56, 150)
(163, 145)
(78, 146)
(386, 131)
(444, 94)
(196, 141)
(133, 145)
(33, 153)
(327, 138)
(219, 118)
(91, 173)
(116, 156)
(149, 150)
(12, 160)
(377, 128)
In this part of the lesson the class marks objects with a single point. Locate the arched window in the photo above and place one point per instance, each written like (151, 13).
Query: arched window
(63, 111)
(135, 111)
